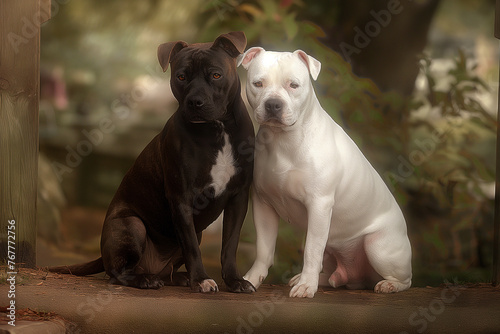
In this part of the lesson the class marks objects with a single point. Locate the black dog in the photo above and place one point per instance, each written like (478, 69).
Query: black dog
(199, 165)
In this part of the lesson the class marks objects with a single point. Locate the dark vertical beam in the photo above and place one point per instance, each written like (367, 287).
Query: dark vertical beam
(496, 240)
(20, 23)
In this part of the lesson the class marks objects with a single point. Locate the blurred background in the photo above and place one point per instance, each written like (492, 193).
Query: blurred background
(414, 83)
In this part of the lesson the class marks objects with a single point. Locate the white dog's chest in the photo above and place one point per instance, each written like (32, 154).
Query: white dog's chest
(289, 180)
(282, 186)
(288, 208)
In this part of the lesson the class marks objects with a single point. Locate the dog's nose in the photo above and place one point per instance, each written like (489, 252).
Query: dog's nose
(195, 102)
(273, 106)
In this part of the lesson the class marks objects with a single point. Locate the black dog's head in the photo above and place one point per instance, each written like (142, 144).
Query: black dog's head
(204, 78)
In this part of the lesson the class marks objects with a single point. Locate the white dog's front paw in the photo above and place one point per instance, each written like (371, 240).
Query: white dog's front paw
(303, 287)
(294, 280)
(256, 277)
(304, 290)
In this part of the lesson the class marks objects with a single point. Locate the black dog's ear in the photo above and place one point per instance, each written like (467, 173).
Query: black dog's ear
(167, 50)
(233, 43)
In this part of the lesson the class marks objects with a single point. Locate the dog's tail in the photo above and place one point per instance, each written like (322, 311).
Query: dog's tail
(89, 268)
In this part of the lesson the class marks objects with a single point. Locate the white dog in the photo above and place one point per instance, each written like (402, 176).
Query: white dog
(309, 172)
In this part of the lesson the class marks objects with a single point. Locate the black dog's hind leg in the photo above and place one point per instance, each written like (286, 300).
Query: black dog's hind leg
(122, 245)
(169, 273)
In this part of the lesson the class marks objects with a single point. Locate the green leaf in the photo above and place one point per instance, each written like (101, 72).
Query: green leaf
(269, 7)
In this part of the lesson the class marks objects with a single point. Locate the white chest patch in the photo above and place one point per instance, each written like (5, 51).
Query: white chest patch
(224, 168)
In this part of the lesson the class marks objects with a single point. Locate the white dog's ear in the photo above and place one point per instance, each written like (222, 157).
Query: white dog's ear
(312, 64)
(246, 58)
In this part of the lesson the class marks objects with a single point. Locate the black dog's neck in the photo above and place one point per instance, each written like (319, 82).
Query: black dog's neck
(205, 129)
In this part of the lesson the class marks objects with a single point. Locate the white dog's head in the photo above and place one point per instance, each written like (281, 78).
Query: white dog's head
(279, 88)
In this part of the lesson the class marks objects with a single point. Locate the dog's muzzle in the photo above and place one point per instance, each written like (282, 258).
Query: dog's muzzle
(275, 113)
(195, 102)
(274, 109)
(197, 109)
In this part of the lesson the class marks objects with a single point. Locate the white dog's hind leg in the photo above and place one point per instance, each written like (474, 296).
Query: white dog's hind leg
(390, 257)
(353, 268)
(339, 277)
(266, 222)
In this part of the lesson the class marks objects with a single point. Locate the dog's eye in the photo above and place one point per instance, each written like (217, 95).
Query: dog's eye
(216, 75)
(257, 83)
(181, 77)
(294, 85)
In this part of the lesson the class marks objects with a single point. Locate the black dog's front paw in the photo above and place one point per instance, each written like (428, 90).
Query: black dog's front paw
(178, 278)
(240, 286)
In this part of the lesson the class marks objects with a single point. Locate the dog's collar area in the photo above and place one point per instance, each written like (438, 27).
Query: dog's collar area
(216, 123)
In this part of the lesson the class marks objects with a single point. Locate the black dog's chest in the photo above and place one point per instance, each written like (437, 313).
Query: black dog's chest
(223, 168)
(215, 172)
(214, 184)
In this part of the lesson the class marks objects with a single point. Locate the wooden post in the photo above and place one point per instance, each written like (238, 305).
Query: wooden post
(20, 23)
(496, 239)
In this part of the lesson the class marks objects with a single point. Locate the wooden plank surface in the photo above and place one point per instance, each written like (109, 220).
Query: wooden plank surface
(20, 23)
